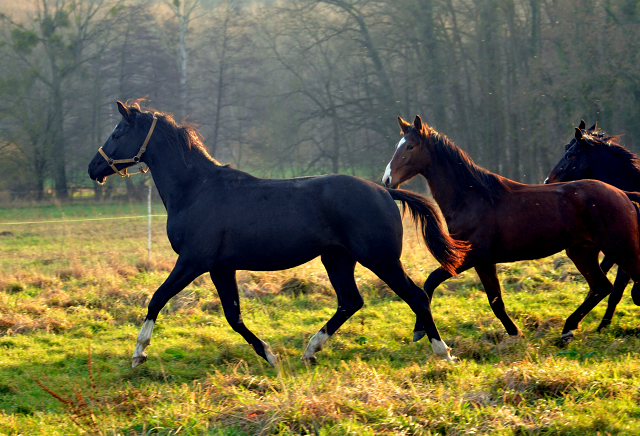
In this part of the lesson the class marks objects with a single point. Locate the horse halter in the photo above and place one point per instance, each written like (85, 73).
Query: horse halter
(135, 159)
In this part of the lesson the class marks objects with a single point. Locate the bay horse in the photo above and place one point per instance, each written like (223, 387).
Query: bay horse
(507, 221)
(221, 220)
(592, 154)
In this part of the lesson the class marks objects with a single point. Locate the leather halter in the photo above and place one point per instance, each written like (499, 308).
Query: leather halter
(135, 159)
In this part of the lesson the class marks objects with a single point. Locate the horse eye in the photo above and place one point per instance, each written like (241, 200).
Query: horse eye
(409, 147)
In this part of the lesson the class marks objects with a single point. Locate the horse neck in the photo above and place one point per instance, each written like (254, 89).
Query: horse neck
(176, 171)
(445, 180)
(611, 171)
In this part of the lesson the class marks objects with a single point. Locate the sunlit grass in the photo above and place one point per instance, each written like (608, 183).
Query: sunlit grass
(73, 296)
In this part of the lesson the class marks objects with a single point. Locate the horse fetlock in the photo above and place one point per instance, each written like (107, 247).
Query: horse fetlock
(517, 334)
(441, 350)
(603, 324)
(315, 344)
(272, 358)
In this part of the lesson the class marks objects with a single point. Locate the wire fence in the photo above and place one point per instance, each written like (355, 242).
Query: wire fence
(148, 216)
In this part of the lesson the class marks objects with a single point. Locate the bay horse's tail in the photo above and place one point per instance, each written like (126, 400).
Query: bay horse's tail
(447, 251)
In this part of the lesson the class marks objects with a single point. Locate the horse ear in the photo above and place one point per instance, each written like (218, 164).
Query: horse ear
(582, 125)
(126, 115)
(579, 137)
(403, 125)
(420, 127)
(594, 127)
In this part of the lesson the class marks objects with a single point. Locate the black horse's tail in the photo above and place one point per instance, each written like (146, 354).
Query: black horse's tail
(446, 250)
(633, 196)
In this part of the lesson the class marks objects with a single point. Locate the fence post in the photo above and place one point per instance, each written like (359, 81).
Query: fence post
(149, 227)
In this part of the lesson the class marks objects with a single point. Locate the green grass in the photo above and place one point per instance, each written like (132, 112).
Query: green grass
(73, 296)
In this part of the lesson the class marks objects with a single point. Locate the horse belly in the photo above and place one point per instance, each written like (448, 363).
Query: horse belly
(539, 236)
(271, 252)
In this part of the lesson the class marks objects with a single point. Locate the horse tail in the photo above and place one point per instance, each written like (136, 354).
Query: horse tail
(633, 196)
(449, 252)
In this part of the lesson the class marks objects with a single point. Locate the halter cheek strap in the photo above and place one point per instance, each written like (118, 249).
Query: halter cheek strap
(135, 159)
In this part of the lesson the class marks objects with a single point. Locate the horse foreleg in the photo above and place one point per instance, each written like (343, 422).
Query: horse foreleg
(182, 274)
(227, 287)
(433, 281)
(489, 278)
(586, 260)
(340, 267)
(621, 282)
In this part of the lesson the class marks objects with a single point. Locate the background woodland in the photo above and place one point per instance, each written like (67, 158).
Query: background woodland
(292, 88)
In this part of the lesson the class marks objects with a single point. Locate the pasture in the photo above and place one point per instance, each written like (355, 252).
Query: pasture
(73, 295)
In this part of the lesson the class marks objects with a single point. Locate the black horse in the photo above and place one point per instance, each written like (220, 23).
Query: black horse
(596, 155)
(221, 220)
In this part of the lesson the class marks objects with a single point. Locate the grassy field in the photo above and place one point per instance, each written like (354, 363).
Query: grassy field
(73, 295)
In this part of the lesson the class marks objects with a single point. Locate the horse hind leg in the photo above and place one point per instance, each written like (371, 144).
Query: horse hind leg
(227, 287)
(621, 282)
(434, 280)
(585, 258)
(394, 275)
(340, 266)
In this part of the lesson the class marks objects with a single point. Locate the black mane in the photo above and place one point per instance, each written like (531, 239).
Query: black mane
(629, 162)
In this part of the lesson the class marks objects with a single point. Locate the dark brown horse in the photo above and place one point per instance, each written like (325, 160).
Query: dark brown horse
(506, 221)
(221, 220)
(592, 154)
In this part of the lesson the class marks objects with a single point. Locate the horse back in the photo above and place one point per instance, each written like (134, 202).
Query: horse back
(268, 224)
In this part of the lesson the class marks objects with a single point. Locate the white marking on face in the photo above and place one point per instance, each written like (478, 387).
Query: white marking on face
(402, 141)
(315, 344)
(386, 178)
(271, 357)
(440, 349)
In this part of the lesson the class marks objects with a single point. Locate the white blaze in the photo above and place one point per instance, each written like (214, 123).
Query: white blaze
(386, 178)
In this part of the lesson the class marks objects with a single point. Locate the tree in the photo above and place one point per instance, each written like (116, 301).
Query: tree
(56, 40)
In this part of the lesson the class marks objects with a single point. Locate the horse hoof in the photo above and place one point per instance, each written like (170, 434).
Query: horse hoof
(518, 335)
(567, 337)
(138, 360)
(635, 296)
(418, 334)
(313, 360)
(603, 324)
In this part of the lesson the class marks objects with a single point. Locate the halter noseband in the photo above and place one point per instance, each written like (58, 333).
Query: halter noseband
(135, 159)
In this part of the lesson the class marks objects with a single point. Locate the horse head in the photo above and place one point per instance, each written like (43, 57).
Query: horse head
(411, 155)
(125, 146)
(578, 160)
